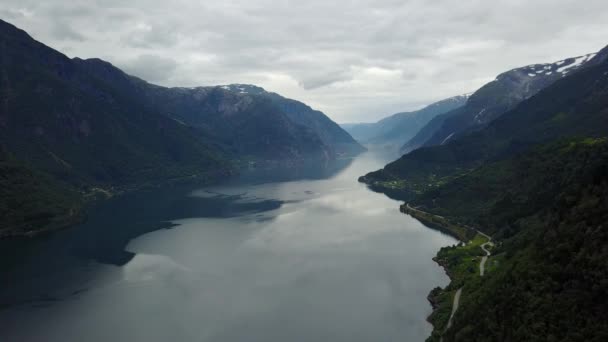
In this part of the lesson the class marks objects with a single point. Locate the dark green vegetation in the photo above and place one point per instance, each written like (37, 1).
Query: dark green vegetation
(462, 265)
(31, 199)
(536, 179)
(547, 279)
(439, 222)
(73, 128)
(398, 128)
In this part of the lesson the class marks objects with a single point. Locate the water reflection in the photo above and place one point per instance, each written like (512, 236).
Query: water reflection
(298, 260)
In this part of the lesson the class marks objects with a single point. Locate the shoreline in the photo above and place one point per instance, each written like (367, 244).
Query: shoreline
(456, 262)
(95, 194)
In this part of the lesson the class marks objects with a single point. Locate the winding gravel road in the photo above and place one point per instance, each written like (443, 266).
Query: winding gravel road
(482, 264)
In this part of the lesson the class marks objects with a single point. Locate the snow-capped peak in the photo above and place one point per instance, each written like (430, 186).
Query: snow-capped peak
(556, 69)
(243, 88)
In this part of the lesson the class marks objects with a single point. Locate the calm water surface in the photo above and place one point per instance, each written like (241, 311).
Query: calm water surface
(316, 259)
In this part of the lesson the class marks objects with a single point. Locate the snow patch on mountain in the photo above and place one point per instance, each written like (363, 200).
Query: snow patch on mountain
(578, 61)
(559, 68)
(244, 89)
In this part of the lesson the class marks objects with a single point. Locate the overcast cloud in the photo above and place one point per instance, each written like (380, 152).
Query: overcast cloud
(355, 60)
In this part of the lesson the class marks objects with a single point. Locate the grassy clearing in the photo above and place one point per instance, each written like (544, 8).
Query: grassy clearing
(461, 263)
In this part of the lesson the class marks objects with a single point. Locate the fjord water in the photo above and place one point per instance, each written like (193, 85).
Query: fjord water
(311, 257)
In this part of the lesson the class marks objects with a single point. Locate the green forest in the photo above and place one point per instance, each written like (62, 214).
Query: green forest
(548, 276)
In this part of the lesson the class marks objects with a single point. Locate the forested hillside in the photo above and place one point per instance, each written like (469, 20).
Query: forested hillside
(548, 279)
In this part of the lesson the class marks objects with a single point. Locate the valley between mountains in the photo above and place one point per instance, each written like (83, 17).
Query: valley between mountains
(283, 215)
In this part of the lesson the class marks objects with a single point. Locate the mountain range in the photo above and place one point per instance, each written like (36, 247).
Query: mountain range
(496, 98)
(395, 130)
(442, 121)
(571, 106)
(77, 128)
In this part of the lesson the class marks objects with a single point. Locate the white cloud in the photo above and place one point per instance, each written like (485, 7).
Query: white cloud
(356, 60)
(151, 68)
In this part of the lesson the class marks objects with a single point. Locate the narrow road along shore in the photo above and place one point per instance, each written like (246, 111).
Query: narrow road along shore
(424, 212)
(454, 307)
(482, 264)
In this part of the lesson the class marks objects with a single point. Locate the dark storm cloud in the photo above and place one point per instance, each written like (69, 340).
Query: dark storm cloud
(356, 60)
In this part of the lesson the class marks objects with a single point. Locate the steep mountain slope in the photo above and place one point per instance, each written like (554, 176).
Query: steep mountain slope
(399, 128)
(497, 97)
(427, 131)
(546, 278)
(58, 121)
(245, 125)
(576, 105)
(330, 133)
(73, 125)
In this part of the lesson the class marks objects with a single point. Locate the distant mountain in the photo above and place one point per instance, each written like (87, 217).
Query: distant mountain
(427, 131)
(574, 105)
(496, 98)
(360, 131)
(247, 125)
(330, 133)
(399, 128)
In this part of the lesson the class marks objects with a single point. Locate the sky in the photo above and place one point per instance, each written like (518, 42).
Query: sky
(357, 60)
